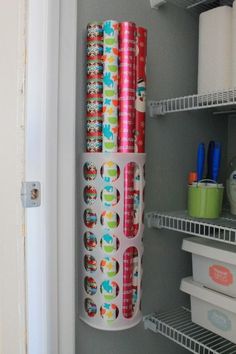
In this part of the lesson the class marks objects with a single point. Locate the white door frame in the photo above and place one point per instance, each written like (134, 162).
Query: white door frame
(12, 235)
(50, 159)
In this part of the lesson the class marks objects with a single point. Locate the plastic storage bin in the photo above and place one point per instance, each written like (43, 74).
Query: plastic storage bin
(214, 264)
(104, 244)
(211, 310)
(205, 200)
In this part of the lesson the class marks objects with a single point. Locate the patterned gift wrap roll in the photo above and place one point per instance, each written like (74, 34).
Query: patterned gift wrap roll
(90, 195)
(90, 263)
(126, 144)
(93, 145)
(90, 218)
(94, 127)
(135, 277)
(90, 241)
(94, 87)
(129, 200)
(140, 108)
(126, 83)
(109, 290)
(94, 69)
(94, 106)
(136, 199)
(90, 171)
(110, 172)
(109, 266)
(90, 286)
(110, 86)
(109, 312)
(95, 31)
(140, 103)
(91, 307)
(127, 307)
(94, 135)
(109, 196)
(95, 50)
(110, 219)
(109, 243)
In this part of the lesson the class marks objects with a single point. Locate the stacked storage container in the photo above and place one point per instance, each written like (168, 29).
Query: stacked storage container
(213, 285)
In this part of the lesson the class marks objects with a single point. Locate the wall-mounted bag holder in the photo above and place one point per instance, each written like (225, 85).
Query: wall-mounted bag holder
(110, 259)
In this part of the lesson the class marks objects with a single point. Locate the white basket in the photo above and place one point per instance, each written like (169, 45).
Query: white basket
(94, 295)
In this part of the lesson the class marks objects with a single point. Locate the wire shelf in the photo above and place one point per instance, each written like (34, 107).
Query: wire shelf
(215, 99)
(178, 327)
(222, 229)
(198, 6)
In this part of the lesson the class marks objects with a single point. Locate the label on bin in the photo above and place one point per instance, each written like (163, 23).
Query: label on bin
(221, 275)
(219, 320)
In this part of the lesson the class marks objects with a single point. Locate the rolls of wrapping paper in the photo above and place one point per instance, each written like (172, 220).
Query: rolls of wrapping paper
(111, 93)
(110, 86)
(94, 87)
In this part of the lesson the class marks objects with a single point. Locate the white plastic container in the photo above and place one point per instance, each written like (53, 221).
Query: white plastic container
(214, 264)
(103, 243)
(211, 310)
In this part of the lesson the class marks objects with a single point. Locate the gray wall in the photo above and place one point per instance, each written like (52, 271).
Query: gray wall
(232, 137)
(171, 149)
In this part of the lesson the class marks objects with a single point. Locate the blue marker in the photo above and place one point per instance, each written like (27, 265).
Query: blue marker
(216, 162)
(210, 155)
(200, 161)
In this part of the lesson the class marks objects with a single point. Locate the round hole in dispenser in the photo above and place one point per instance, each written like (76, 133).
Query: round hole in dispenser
(110, 172)
(90, 241)
(90, 171)
(90, 218)
(90, 195)
(110, 220)
(109, 243)
(110, 196)
(90, 307)
(109, 312)
(109, 266)
(90, 263)
(90, 286)
(130, 281)
(109, 289)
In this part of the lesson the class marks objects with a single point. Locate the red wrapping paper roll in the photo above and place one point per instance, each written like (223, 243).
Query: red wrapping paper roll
(140, 103)
(126, 82)
(140, 107)
(126, 144)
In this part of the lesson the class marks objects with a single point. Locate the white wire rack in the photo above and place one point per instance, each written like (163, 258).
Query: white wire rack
(215, 99)
(222, 229)
(196, 6)
(178, 327)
